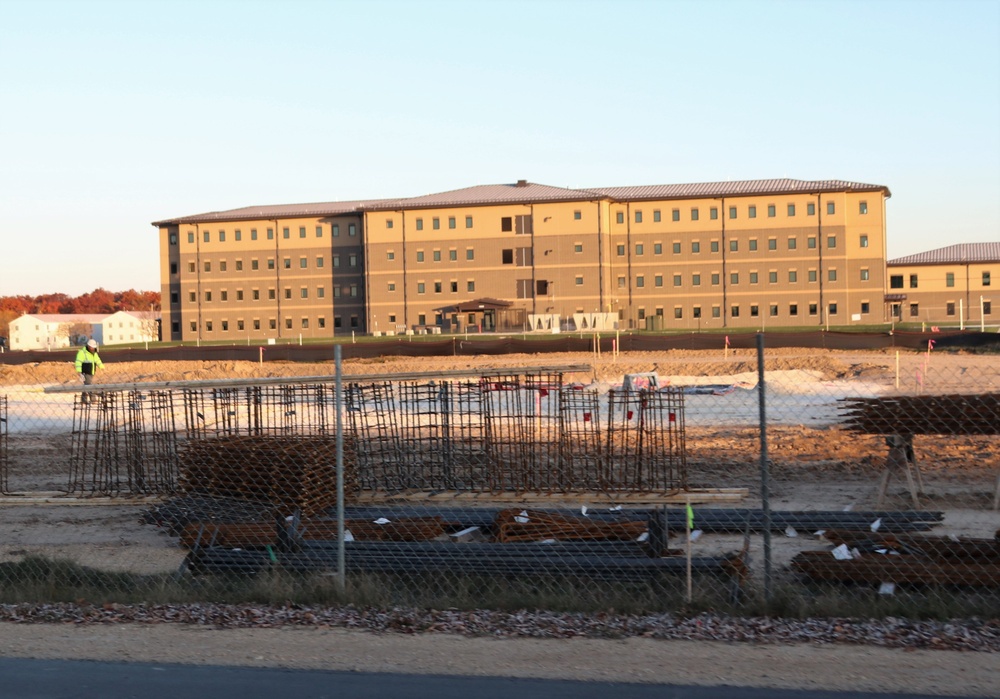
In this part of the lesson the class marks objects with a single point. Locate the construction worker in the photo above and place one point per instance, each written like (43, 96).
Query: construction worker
(88, 361)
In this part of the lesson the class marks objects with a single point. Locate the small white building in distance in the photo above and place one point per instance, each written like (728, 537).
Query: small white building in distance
(49, 331)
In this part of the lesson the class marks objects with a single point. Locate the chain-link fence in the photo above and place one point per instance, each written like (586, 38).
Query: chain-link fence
(812, 483)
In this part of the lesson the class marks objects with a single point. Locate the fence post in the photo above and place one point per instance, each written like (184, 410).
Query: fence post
(339, 402)
(765, 477)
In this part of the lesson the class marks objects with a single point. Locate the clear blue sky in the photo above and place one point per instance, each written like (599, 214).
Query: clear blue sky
(116, 114)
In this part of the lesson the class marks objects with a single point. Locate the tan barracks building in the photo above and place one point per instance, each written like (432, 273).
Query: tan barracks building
(950, 286)
(524, 256)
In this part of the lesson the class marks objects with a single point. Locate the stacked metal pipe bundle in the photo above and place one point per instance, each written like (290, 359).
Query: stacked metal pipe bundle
(925, 414)
(261, 534)
(709, 520)
(878, 568)
(613, 561)
(536, 525)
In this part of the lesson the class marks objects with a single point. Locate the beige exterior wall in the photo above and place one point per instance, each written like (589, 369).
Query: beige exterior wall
(255, 280)
(945, 294)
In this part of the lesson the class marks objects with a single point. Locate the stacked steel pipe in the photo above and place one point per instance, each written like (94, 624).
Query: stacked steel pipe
(925, 414)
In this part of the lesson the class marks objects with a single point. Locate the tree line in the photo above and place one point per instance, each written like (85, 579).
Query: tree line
(96, 301)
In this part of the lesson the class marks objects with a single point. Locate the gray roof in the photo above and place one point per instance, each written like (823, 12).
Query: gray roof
(523, 192)
(736, 188)
(961, 253)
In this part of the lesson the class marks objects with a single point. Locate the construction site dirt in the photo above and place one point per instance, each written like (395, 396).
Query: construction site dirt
(815, 464)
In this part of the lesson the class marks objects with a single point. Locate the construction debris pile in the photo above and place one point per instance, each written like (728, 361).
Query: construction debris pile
(887, 559)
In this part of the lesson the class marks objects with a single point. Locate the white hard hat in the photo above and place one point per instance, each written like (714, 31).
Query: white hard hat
(92, 343)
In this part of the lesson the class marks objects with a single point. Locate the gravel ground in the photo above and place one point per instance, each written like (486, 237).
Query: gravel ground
(891, 655)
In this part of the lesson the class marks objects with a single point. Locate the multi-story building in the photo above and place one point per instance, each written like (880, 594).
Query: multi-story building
(948, 286)
(748, 254)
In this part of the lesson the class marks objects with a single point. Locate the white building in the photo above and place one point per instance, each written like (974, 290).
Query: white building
(49, 331)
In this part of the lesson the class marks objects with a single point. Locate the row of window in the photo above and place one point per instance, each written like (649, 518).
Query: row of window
(896, 280)
(773, 310)
(223, 265)
(713, 212)
(812, 275)
(272, 294)
(286, 233)
(436, 223)
(272, 324)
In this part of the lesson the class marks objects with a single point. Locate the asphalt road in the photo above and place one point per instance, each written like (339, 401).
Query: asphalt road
(80, 679)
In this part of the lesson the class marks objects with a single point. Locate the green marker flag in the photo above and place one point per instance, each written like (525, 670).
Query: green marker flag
(690, 516)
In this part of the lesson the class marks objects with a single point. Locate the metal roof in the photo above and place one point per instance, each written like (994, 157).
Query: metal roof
(271, 212)
(736, 188)
(961, 253)
(524, 192)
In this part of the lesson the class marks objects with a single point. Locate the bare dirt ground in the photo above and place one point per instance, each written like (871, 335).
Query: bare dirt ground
(814, 466)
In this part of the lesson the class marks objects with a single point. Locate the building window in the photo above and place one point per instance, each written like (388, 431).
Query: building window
(695, 280)
(352, 229)
(303, 263)
(832, 275)
(863, 241)
(452, 223)
(656, 215)
(577, 215)
(713, 213)
(621, 251)
(791, 209)
(436, 223)
(470, 254)
(239, 265)
(657, 248)
(813, 275)
(392, 286)
(715, 278)
(638, 217)
(437, 287)
(865, 275)
(270, 234)
(640, 281)
(578, 248)
(320, 293)
(420, 255)
(831, 209)
(773, 310)
(813, 309)
(752, 244)
(793, 276)
(639, 249)
(302, 231)
(732, 212)
(896, 281)
(734, 278)
(286, 233)
(913, 281)
(620, 217)
(319, 262)
(271, 295)
(468, 222)
(270, 263)
(793, 309)
(734, 246)
(715, 246)
(696, 247)
(694, 214)
(453, 255)
(420, 224)
(437, 255)
(754, 310)
(678, 280)
(914, 310)
(223, 295)
(734, 312)
(811, 242)
(792, 243)
(192, 297)
(986, 278)
(253, 234)
(388, 223)
(470, 285)
(677, 248)
(206, 236)
(950, 308)
(831, 241)
(579, 280)
(304, 292)
(772, 243)
(949, 279)
(208, 266)
(675, 214)
(191, 267)
(716, 312)
(336, 230)
(319, 231)
(832, 309)
(696, 312)
(421, 288)
(288, 293)
(865, 308)
(772, 277)
(173, 239)
(507, 256)
(287, 263)
(987, 308)
(770, 211)
(678, 312)
(753, 277)
(751, 211)
(862, 207)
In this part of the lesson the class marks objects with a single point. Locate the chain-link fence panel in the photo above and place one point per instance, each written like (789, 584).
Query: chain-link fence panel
(841, 484)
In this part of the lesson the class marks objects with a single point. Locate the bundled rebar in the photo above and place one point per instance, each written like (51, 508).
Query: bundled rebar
(3, 446)
(928, 414)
